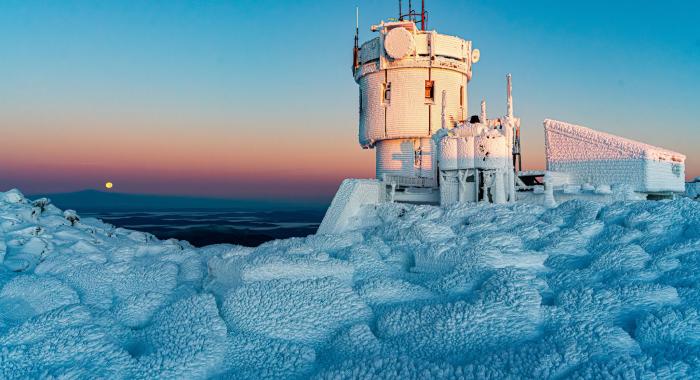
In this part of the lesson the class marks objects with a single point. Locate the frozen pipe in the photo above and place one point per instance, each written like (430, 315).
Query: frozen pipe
(483, 111)
(500, 193)
(511, 186)
(549, 200)
(510, 95)
(444, 104)
(461, 189)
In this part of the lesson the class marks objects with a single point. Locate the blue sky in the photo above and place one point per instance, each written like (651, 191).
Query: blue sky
(83, 73)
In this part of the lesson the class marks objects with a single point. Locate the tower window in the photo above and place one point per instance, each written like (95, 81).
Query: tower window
(386, 93)
(360, 102)
(430, 91)
(461, 96)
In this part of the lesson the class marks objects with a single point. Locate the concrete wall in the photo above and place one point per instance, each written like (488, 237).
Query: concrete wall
(351, 196)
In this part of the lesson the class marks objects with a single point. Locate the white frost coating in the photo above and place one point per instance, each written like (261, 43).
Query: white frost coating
(456, 152)
(465, 152)
(399, 43)
(581, 290)
(449, 157)
(490, 150)
(600, 158)
(405, 157)
(351, 196)
(404, 77)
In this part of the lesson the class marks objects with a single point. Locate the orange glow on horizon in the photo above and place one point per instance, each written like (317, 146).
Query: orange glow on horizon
(211, 160)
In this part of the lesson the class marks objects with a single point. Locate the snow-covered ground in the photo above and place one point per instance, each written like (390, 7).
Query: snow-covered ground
(582, 290)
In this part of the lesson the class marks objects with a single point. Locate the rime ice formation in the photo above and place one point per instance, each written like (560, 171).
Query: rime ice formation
(582, 290)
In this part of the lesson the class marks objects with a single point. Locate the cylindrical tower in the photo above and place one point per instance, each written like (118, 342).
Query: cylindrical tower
(403, 74)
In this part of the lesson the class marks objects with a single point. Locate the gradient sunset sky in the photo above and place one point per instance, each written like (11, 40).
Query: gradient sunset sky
(256, 98)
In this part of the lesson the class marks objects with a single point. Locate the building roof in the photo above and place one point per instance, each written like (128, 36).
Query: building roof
(629, 148)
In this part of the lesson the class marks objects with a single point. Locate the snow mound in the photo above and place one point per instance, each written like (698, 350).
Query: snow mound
(583, 290)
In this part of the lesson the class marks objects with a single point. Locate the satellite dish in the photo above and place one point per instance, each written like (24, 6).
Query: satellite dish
(476, 55)
(399, 43)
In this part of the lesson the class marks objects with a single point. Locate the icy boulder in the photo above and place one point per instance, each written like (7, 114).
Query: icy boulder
(30, 295)
(186, 340)
(320, 307)
(62, 343)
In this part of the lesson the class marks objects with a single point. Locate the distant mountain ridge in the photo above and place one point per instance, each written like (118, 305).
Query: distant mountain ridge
(91, 200)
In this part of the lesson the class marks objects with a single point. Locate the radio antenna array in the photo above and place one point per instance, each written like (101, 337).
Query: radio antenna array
(413, 15)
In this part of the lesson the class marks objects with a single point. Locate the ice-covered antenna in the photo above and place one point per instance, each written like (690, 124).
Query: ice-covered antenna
(413, 15)
(483, 111)
(356, 48)
(444, 105)
(517, 156)
(509, 90)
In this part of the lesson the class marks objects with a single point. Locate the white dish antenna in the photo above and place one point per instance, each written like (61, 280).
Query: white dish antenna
(399, 43)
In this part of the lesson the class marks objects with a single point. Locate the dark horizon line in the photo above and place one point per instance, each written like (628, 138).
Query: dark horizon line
(182, 196)
(96, 200)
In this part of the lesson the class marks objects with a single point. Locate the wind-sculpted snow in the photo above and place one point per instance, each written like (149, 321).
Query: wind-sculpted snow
(583, 290)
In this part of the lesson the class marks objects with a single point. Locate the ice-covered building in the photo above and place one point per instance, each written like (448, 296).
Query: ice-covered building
(589, 157)
(413, 112)
(407, 77)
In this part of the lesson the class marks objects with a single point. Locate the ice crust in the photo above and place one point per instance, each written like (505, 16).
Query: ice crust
(583, 290)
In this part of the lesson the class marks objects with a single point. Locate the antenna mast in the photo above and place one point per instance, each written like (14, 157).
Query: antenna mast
(414, 16)
(517, 156)
(356, 48)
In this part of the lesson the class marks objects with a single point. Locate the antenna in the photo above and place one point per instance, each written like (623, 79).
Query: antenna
(509, 91)
(517, 156)
(413, 15)
(356, 48)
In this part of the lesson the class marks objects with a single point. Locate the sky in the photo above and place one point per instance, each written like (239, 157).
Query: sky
(255, 99)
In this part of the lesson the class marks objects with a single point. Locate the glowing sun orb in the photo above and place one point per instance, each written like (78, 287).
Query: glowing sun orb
(109, 185)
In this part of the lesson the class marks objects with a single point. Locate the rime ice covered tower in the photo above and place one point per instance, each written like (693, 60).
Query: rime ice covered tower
(407, 78)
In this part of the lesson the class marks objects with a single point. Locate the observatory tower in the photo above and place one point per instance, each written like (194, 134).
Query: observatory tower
(409, 77)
